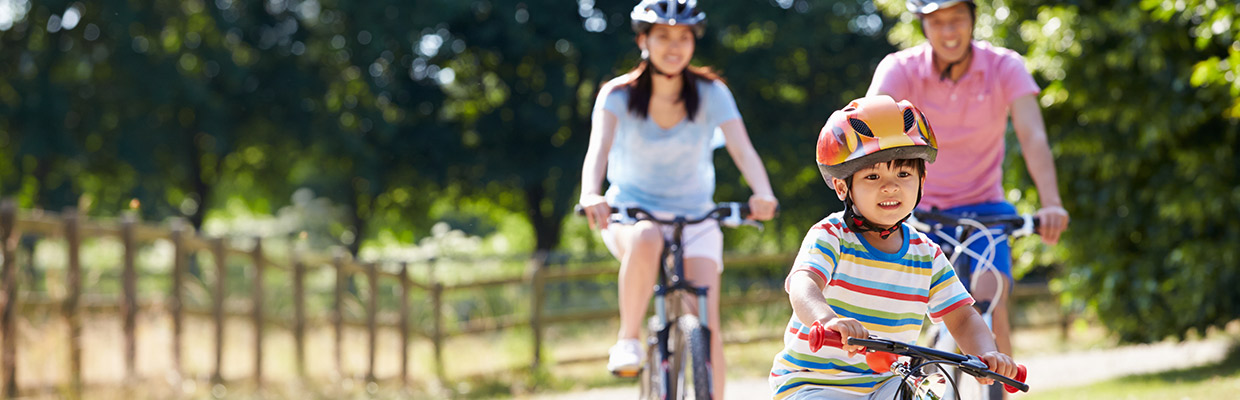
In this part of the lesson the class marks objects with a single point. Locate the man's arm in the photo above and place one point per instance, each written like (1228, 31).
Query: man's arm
(1031, 131)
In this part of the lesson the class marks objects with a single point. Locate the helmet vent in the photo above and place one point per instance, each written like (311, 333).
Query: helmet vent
(860, 127)
(909, 120)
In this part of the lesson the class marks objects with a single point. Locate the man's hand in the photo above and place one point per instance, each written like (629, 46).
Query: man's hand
(1053, 221)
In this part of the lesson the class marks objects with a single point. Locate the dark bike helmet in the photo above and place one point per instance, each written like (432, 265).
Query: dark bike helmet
(668, 12)
(923, 7)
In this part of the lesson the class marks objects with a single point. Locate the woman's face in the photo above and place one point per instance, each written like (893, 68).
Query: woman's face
(949, 32)
(670, 46)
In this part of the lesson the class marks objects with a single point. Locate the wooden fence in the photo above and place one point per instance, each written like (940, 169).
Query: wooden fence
(73, 229)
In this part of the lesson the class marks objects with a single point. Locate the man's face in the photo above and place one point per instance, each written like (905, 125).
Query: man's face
(949, 31)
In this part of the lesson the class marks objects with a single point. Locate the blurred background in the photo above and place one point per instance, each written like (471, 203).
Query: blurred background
(442, 141)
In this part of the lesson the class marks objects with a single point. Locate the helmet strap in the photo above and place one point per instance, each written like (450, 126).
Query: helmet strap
(859, 223)
(653, 68)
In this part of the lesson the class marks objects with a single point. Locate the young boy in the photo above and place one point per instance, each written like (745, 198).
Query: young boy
(862, 270)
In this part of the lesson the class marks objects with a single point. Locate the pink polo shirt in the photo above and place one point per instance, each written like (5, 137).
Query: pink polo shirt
(969, 117)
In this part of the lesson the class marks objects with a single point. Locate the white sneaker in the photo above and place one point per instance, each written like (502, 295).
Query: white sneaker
(625, 358)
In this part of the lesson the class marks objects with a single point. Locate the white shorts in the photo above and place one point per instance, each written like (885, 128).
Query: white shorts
(702, 240)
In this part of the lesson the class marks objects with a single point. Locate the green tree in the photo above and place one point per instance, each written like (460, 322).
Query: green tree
(1139, 99)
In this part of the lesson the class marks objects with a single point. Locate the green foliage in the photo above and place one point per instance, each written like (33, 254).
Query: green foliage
(397, 115)
(1138, 100)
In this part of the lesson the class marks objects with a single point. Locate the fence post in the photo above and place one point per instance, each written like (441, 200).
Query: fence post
(8, 355)
(338, 311)
(129, 304)
(437, 326)
(535, 275)
(372, 311)
(221, 279)
(299, 313)
(257, 304)
(404, 324)
(175, 304)
(74, 285)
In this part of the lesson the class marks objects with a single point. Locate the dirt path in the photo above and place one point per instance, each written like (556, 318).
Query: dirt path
(1045, 372)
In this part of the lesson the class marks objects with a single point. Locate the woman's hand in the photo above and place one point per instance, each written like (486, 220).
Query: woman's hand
(597, 210)
(848, 327)
(762, 207)
(1000, 363)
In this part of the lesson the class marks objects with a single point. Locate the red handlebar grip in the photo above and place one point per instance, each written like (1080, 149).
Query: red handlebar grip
(1021, 371)
(819, 336)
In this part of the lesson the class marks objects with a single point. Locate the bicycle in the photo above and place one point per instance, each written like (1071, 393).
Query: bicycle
(671, 334)
(967, 231)
(911, 363)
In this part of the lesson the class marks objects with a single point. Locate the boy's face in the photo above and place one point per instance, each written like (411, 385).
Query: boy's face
(882, 194)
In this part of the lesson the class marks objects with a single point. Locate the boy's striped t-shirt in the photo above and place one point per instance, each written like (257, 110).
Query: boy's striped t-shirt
(890, 294)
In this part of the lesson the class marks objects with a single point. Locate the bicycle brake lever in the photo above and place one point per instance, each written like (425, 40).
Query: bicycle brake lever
(1026, 229)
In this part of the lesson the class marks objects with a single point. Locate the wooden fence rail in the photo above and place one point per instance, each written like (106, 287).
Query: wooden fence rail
(73, 228)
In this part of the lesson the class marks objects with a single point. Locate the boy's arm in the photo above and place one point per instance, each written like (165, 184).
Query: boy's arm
(970, 331)
(809, 306)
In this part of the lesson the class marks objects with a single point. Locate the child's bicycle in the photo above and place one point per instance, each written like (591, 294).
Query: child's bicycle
(676, 338)
(915, 365)
(958, 233)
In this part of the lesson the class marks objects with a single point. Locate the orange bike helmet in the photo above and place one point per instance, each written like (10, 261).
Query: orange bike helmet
(872, 130)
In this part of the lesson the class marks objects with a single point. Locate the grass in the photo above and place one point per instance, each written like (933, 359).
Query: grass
(1218, 381)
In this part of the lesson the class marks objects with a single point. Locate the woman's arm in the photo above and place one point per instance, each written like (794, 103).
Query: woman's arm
(763, 202)
(602, 134)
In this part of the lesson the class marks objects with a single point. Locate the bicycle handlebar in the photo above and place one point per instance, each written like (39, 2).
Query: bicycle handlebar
(881, 353)
(1017, 224)
(730, 214)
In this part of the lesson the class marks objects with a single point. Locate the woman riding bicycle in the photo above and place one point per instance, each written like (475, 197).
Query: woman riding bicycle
(654, 133)
(968, 88)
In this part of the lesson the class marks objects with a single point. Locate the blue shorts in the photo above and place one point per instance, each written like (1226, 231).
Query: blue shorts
(1002, 259)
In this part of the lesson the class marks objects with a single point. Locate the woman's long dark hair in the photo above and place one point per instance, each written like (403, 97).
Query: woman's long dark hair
(640, 89)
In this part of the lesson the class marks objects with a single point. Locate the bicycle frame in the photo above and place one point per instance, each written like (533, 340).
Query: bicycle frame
(967, 232)
(670, 285)
(672, 334)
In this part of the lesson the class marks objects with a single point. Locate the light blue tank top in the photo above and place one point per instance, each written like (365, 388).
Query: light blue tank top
(672, 169)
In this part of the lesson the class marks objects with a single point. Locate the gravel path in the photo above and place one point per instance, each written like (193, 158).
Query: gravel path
(1045, 372)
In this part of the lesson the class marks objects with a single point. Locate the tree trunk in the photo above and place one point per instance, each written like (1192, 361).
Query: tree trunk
(546, 225)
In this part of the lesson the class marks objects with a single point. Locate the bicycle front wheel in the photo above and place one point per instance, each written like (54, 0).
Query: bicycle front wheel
(697, 341)
(663, 377)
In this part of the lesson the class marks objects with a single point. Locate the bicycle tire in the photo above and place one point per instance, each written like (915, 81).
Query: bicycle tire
(698, 346)
(659, 382)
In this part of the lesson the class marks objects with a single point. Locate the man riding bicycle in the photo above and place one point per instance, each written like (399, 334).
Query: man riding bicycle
(968, 89)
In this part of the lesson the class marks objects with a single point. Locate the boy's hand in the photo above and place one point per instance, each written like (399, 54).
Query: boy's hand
(1000, 363)
(848, 327)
